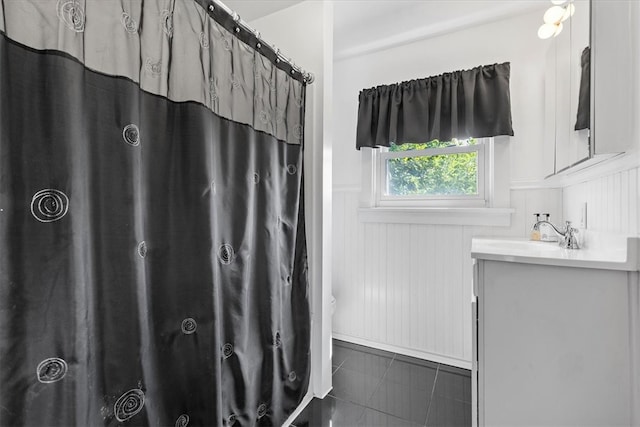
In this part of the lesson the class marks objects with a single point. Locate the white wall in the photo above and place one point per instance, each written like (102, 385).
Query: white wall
(612, 202)
(407, 287)
(304, 33)
(512, 40)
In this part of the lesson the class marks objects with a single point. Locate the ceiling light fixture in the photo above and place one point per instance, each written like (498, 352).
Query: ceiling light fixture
(554, 17)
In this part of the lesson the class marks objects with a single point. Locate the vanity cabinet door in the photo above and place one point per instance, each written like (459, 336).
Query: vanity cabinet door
(579, 52)
(615, 54)
(553, 346)
(563, 126)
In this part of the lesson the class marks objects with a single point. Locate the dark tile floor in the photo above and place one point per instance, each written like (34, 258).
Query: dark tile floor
(377, 388)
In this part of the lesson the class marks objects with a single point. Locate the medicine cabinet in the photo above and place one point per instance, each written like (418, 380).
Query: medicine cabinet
(609, 29)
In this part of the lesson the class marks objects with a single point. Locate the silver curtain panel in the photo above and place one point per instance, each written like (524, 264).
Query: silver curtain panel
(152, 248)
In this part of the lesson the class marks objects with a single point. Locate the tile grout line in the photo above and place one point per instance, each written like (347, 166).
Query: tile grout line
(433, 391)
(345, 359)
(366, 404)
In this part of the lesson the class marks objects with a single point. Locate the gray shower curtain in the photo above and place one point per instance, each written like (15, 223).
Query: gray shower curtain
(152, 247)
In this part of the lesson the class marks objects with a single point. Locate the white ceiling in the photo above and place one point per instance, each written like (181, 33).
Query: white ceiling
(362, 26)
(254, 9)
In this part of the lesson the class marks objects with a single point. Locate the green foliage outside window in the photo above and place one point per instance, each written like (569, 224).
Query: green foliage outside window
(452, 174)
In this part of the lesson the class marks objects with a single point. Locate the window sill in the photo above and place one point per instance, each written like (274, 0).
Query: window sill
(492, 217)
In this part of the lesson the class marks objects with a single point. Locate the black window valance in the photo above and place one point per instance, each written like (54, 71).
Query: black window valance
(470, 103)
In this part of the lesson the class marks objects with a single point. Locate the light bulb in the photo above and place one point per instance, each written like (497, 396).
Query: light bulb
(569, 10)
(553, 15)
(546, 30)
(558, 29)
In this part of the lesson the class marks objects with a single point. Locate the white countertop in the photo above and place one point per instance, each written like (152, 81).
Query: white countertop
(624, 255)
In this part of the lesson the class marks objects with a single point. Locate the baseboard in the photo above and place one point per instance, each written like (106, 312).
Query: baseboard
(438, 358)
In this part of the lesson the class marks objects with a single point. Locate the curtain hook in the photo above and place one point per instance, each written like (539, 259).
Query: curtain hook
(236, 19)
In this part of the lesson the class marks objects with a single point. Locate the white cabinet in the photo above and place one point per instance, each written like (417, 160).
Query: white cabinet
(555, 345)
(564, 146)
(615, 49)
(612, 30)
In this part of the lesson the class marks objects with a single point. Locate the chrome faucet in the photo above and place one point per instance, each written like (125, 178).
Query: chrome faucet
(569, 239)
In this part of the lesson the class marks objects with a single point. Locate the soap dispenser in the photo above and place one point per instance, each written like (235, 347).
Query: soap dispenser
(535, 233)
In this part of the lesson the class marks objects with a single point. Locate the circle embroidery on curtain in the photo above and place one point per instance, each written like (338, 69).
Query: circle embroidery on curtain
(142, 249)
(189, 326)
(292, 376)
(204, 40)
(131, 135)
(51, 370)
(292, 169)
(262, 410)
(167, 22)
(226, 43)
(130, 25)
(227, 350)
(255, 178)
(231, 419)
(129, 404)
(277, 341)
(226, 254)
(71, 14)
(155, 68)
(182, 421)
(49, 205)
(212, 91)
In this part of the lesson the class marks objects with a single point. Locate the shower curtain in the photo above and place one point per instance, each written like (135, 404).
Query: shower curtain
(152, 247)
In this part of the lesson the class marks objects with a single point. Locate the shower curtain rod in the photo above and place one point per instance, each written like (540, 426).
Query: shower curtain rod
(308, 77)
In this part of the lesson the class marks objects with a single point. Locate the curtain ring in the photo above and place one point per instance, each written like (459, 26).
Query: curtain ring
(256, 33)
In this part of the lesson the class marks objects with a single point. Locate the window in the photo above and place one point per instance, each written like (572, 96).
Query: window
(453, 174)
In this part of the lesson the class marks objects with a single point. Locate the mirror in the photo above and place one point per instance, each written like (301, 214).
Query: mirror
(566, 75)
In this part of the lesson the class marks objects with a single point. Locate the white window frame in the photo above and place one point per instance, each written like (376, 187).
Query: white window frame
(483, 198)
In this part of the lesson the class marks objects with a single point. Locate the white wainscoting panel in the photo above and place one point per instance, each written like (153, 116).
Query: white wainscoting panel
(612, 202)
(407, 287)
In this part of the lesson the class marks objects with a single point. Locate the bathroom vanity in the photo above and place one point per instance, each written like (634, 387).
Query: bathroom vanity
(556, 334)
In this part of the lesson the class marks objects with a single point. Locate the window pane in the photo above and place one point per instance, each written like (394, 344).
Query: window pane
(441, 175)
(410, 146)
